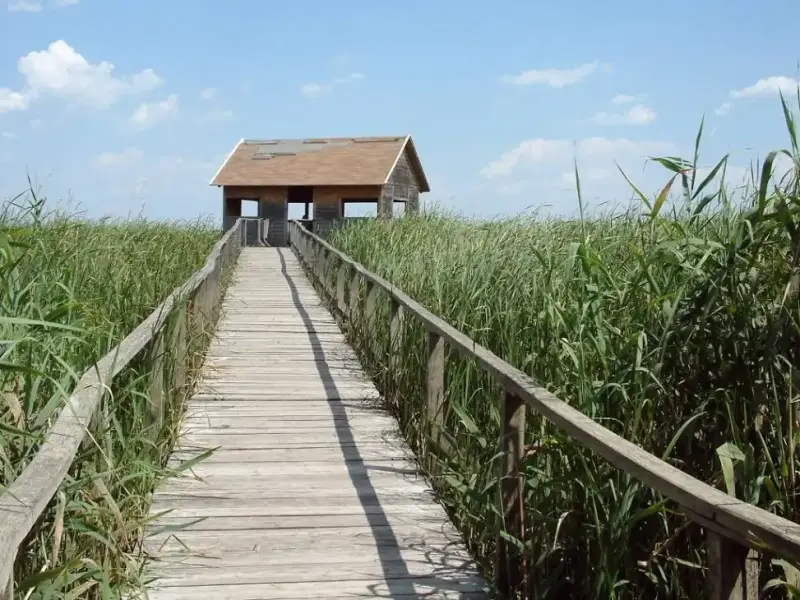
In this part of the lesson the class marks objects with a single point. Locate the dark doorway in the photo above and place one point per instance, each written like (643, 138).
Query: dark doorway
(301, 194)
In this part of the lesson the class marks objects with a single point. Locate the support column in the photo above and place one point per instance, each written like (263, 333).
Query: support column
(272, 205)
(385, 202)
(231, 210)
(412, 205)
(327, 210)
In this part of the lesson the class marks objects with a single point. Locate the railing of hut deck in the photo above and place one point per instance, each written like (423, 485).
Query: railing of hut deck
(734, 529)
(191, 307)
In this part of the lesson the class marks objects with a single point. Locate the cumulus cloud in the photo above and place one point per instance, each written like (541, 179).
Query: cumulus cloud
(150, 113)
(769, 86)
(553, 77)
(208, 93)
(25, 6)
(636, 115)
(61, 72)
(596, 149)
(11, 100)
(314, 89)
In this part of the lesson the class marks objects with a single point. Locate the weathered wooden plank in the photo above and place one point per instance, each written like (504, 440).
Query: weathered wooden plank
(398, 570)
(430, 588)
(307, 468)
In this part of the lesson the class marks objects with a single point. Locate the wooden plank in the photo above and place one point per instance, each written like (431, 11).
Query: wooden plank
(307, 467)
(430, 588)
(399, 571)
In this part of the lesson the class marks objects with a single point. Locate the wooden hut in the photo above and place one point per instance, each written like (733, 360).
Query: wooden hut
(324, 173)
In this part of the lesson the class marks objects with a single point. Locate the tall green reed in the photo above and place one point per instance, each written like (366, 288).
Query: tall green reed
(71, 289)
(674, 324)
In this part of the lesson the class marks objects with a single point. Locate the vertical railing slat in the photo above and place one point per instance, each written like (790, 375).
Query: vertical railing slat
(732, 569)
(509, 568)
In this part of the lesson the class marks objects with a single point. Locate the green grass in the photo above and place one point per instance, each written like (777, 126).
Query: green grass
(100, 279)
(675, 324)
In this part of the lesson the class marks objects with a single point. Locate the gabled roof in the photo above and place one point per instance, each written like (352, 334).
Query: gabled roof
(318, 161)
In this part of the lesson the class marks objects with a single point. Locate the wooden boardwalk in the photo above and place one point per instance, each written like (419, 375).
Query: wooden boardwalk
(311, 493)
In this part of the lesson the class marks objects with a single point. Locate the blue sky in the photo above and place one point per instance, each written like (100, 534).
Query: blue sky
(121, 107)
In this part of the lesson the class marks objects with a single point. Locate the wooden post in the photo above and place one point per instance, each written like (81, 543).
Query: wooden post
(732, 569)
(157, 385)
(341, 274)
(435, 386)
(179, 337)
(434, 402)
(508, 567)
(355, 282)
(395, 341)
(370, 307)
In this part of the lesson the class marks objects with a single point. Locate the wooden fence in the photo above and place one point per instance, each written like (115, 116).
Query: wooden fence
(192, 307)
(735, 530)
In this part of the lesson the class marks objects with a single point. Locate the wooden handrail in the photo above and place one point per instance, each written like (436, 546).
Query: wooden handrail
(29, 494)
(734, 526)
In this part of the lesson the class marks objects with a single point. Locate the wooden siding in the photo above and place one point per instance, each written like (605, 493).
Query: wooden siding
(328, 203)
(401, 186)
(272, 205)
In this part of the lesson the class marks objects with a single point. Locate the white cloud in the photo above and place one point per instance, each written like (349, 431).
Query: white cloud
(37, 124)
(127, 157)
(65, 3)
(723, 109)
(150, 113)
(61, 72)
(208, 93)
(553, 77)
(11, 100)
(9, 135)
(636, 115)
(25, 6)
(770, 86)
(314, 89)
(530, 151)
(594, 149)
(623, 99)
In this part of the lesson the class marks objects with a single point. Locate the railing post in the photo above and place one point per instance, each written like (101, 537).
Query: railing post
(179, 345)
(435, 385)
(732, 569)
(341, 274)
(157, 385)
(395, 341)
(508, 567)
(353, 293)
(370, 306)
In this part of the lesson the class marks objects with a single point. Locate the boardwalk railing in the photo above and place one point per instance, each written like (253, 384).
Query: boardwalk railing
(734, 529)
(169, 330)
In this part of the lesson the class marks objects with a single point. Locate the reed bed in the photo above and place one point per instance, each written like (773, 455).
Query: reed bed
(71, 290)
(675, 324)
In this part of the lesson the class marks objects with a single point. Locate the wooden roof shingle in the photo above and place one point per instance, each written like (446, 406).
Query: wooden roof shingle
(317, 161)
